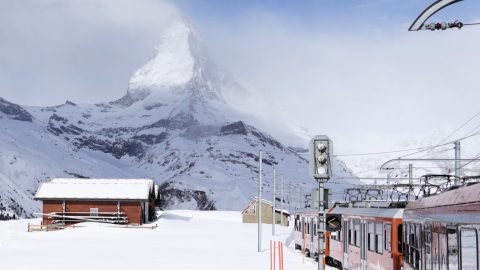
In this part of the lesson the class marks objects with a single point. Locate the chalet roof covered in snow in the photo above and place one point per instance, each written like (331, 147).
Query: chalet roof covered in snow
(96, 189)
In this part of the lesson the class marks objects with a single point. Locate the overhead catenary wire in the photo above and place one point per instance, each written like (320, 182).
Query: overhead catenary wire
(419, 149)
(477, 157)
(460, 127)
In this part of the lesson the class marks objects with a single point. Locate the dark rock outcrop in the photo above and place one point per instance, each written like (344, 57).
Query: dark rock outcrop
(14, 111)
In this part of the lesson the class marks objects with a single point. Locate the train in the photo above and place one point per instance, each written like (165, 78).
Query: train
(438, 232)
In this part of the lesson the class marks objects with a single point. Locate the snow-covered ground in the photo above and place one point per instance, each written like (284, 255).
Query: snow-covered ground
(184, 239)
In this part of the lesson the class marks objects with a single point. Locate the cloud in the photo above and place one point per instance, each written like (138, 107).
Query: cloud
(82, 49)
(367, 84)
(367, 89)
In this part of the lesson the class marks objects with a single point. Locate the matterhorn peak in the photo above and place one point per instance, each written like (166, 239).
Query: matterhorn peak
(179, 65)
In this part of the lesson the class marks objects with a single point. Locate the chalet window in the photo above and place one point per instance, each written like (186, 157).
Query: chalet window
(388, 237)
(371, 236)
(379, 237)
(469, 245)
(94, 212)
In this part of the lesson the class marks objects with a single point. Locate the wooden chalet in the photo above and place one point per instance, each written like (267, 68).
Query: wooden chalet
(118, 201)
(250, 213)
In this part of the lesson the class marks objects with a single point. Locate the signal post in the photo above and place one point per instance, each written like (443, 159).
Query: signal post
(320, 169)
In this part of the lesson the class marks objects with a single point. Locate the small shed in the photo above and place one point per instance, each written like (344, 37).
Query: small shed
(119, 201)
(250, 213)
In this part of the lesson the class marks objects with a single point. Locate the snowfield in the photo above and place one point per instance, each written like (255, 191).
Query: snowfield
(184, 239)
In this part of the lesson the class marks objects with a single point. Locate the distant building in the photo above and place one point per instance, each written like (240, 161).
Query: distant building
(250, 214)
(119, 201)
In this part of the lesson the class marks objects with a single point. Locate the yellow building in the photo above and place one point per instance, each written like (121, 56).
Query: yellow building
(250, 214)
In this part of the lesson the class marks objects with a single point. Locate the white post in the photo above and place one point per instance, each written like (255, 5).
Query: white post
(410, 180)
(457, 163)
(273, 204)
(259, 203)
(321, 227)
(281, 202)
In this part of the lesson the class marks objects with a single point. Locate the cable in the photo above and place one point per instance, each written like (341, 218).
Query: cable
(379, 153)
(463, 125)
(473, 159)
(450, 142)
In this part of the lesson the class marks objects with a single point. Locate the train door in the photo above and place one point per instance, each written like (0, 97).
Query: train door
(442, 250)
(363, 245)
(312, 235)
(428, 246)
(345, 244)
(303, 233)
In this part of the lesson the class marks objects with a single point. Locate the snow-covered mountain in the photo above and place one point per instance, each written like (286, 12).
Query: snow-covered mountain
(175, 125)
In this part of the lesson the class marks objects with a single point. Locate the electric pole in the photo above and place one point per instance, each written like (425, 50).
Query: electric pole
(320, 169)
(281, 202)
(259, 205)
(457, 163)
(273, 205)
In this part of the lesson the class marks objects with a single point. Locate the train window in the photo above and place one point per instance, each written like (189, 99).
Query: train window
(357, 232)
(469, 247)
(452, 250)
(379, 237)
(406, 240)
(350, 233)
(371, 236)
(399, 237)
(417, 246)
(388, 237)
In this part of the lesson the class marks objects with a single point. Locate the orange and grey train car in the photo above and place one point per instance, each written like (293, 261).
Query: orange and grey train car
(305, 232)
(442, 232)
(369, 238)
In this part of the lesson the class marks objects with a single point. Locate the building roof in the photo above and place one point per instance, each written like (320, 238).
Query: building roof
(255, 199)
(95, 189)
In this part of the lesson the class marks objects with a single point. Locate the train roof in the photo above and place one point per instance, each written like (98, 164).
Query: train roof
(368, 212)
(462, 195)
(457, 206)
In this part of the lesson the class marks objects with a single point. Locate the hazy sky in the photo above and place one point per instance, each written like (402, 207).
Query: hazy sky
(345, 68)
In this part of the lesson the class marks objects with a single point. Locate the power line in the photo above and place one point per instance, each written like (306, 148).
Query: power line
(473, 159)
(463, 125)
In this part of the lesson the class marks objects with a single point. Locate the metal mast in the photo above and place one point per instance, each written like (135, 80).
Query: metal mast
(273, 204)
(259, 203)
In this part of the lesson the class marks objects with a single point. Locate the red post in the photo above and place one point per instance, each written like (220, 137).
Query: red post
(280, 255)
(274, 251)
(282, 258)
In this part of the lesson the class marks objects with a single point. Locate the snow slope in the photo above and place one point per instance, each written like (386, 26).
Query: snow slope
(183, 240)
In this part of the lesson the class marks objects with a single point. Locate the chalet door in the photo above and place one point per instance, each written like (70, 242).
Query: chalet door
(345, 244)
(363, 246)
